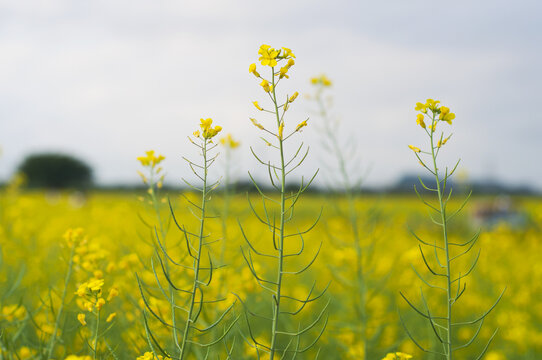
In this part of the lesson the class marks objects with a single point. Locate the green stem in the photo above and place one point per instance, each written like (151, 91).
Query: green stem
(448, 344)
(198, 258)
(163, 233)
(276, 309)
(96, 332)
(353, 218)
(51, 346)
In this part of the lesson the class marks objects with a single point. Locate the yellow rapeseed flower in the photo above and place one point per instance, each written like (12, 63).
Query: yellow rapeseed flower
(321, 80)
(293, 97)
(419, 120)
(301, 125)
(81, 318)
(228, 141)
(281, 129)
(414, 148)
(111, 317)
(268, 55)
(420, 107)
(257, 124)
(95, 284)
(150, 159)
(287, 53)
(266, 86)
(432, 104)
(113, 292)
(257, 105)
(252, 69)
(100, 303)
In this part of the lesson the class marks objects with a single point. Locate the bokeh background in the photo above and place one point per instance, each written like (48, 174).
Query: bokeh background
(106, 80)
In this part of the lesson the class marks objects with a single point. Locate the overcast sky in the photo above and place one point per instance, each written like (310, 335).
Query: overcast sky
(107, 80)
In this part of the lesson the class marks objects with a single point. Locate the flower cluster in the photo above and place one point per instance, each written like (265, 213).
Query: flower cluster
(91, 300)
(150, 160)
(207, 132)
(229, 142)
(269, 56)
(321, 80)
(432, 111)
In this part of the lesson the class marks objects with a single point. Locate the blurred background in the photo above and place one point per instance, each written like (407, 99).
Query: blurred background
(106, 80)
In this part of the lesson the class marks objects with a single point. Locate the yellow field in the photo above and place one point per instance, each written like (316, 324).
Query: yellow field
(363, 319)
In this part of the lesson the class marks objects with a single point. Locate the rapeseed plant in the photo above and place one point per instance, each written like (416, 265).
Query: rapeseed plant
(282, 340)
(343, 174)
(443, 325)
(185, 342)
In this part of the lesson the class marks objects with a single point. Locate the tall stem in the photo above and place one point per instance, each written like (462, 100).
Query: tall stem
(448, 344)
(96, 333)
(198, 257)
(51, 346)
(276, 308)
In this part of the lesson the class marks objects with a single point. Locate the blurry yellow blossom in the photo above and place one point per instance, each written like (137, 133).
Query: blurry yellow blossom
(150, 159)
(81, 318)
(281, 129)
(111, 317)
(419, 120)
(100, 303)
(228, 141)
(150, 356)
(293, 97)
(113, 292)
(95, 284)
(252, 69)
(13, 312)
(266, 86)
(397, 356)
(414, 148)
(257, 124)
(77, 357)
(321, 80)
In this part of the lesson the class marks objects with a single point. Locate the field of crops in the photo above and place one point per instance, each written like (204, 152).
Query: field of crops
(117, 245)
(281, 272)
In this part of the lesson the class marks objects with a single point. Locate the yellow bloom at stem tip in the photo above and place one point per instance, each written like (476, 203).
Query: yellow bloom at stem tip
(228, 141)
(414, 148)
(321, 80)
(207, 131)
(150, 160)
(293, 97)
(268, 55)
(281, 129)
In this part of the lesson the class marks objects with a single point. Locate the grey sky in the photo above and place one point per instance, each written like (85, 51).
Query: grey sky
(107, 80)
